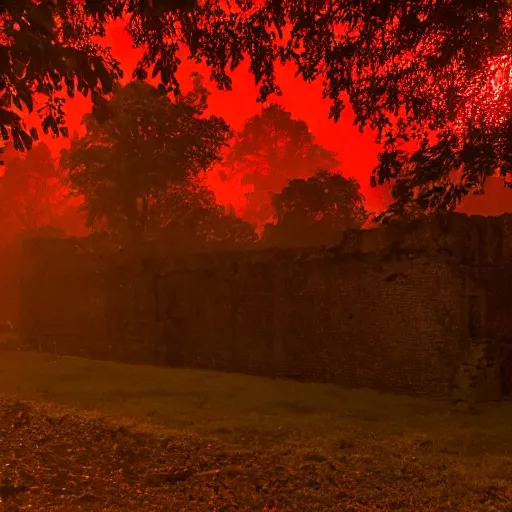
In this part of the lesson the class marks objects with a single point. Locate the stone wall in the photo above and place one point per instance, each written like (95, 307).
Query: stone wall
(75, 302)
(406, 308)
(317, 315)
(9, 286)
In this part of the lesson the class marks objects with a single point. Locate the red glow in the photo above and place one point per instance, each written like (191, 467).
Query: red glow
(356, 151)
(488, 98)
(490, 102)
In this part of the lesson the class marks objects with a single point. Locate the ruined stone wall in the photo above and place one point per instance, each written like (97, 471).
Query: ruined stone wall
(9, 286)
(495, 285)
(75, 302)
(317, 315)
(391, 309)
(474, 240)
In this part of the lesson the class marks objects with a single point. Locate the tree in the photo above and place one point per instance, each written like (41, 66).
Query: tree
(440, 173)
(31, 189)
(315, 211)
(47, 50)
(406, 66)
(123, 165)
(271, 148)
(189, 217)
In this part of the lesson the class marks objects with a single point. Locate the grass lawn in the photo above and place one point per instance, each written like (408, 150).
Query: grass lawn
(244, 442)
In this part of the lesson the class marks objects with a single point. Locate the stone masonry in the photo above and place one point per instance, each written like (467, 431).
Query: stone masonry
(419, 308)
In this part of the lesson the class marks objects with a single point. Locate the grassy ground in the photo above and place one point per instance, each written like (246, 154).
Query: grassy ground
(238, 441)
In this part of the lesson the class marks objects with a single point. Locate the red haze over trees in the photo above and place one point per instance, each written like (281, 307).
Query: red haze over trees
(409, 69)
(139, 170)
(143, 143)
(315, 210)
(32, 194)
(272, 148)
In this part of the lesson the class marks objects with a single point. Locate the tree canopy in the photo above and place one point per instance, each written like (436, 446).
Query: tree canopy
(315, 211)
(189, 217)
(145, 143)
(271, 148)
(408, 67)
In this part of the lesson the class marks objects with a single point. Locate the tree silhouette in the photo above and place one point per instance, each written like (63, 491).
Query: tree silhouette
(123, 165)
(271, 148)
(401, 43)
(189, 216)
(407, 67)
(315, 211)
(31, 189)
(440, 173)
(47, 49)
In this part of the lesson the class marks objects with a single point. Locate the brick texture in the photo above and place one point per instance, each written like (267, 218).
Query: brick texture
(419, 308)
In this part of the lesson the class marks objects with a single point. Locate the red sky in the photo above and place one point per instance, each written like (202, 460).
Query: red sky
(356, 151)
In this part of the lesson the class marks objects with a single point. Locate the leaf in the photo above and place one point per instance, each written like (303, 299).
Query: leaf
(48, 124)
(156, 68)
(17, 102)
(8, 117)
(18, 143)
(83, 88)
(26, 96)
(70, 86)
(64, 131)
(26, 138)
(139, 73)
(103, 75)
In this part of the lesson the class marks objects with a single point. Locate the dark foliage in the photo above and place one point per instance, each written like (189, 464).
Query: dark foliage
(126, 164)
(271, 148)
(189, 217)
(47, 49)
(406, 66)
(315, 211)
